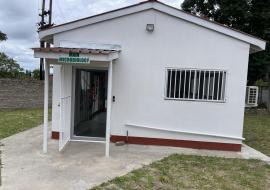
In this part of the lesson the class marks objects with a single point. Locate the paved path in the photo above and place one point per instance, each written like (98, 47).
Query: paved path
(81, 165)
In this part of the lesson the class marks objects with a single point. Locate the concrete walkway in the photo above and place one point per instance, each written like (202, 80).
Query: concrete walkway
(82, 165)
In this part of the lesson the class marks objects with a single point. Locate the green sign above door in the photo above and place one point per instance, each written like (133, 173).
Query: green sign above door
(74, 58)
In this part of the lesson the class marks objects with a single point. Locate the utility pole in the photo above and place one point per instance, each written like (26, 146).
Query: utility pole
(42, 44)
(50, 13)
(42, 25)
(50, 18)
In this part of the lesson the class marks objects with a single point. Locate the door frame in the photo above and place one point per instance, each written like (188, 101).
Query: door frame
(74, 137)
(64, 138)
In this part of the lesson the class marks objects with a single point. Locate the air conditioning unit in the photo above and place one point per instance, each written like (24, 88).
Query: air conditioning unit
(252, 96)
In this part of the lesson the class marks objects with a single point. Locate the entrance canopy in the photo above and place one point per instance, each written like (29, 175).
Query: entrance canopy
(76, 55)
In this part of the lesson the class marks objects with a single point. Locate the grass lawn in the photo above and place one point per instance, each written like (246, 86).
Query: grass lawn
(17, 120)
(195, 172)
(257, 132)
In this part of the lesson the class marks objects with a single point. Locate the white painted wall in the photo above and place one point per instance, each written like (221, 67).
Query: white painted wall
(139, 75)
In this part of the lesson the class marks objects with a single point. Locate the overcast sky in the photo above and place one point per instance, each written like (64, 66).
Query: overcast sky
(18, 20)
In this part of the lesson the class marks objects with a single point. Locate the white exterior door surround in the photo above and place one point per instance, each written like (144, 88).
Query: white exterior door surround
(63, 88)
(141, 109)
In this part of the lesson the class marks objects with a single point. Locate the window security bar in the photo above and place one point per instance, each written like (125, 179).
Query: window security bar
(195, 84)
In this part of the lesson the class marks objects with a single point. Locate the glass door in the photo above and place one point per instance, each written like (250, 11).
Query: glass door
(90, 103)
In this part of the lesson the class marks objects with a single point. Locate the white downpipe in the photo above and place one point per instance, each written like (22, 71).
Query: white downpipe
(46, 104)
(109, 105)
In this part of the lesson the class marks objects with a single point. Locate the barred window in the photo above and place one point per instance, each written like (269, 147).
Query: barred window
(195, 84)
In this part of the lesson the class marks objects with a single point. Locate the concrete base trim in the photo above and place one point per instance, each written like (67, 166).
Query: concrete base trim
(177, 143)
(171, 142)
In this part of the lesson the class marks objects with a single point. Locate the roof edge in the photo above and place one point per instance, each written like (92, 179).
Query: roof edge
(257, 44)
(105, 16)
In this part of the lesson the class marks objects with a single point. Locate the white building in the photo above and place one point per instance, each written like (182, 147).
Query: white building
(171, 78)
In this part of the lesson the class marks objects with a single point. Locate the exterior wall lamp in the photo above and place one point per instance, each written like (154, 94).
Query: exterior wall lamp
(150, 27)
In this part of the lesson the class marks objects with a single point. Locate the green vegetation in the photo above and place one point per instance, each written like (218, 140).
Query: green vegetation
(9, 68)
(195, 172)
(257, 132)
(249, 16)
(18, 120)
(3, 36)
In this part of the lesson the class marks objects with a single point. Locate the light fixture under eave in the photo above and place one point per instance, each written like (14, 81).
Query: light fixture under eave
(150, 27)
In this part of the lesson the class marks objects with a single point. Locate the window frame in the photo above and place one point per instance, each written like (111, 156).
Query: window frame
(225, 100)
(251, 98)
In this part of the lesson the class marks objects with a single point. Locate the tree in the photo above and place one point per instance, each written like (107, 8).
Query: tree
(36, 74)
(234, 13)
(9, 68)
(3, 36)
(259, 25)
(251, 16)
